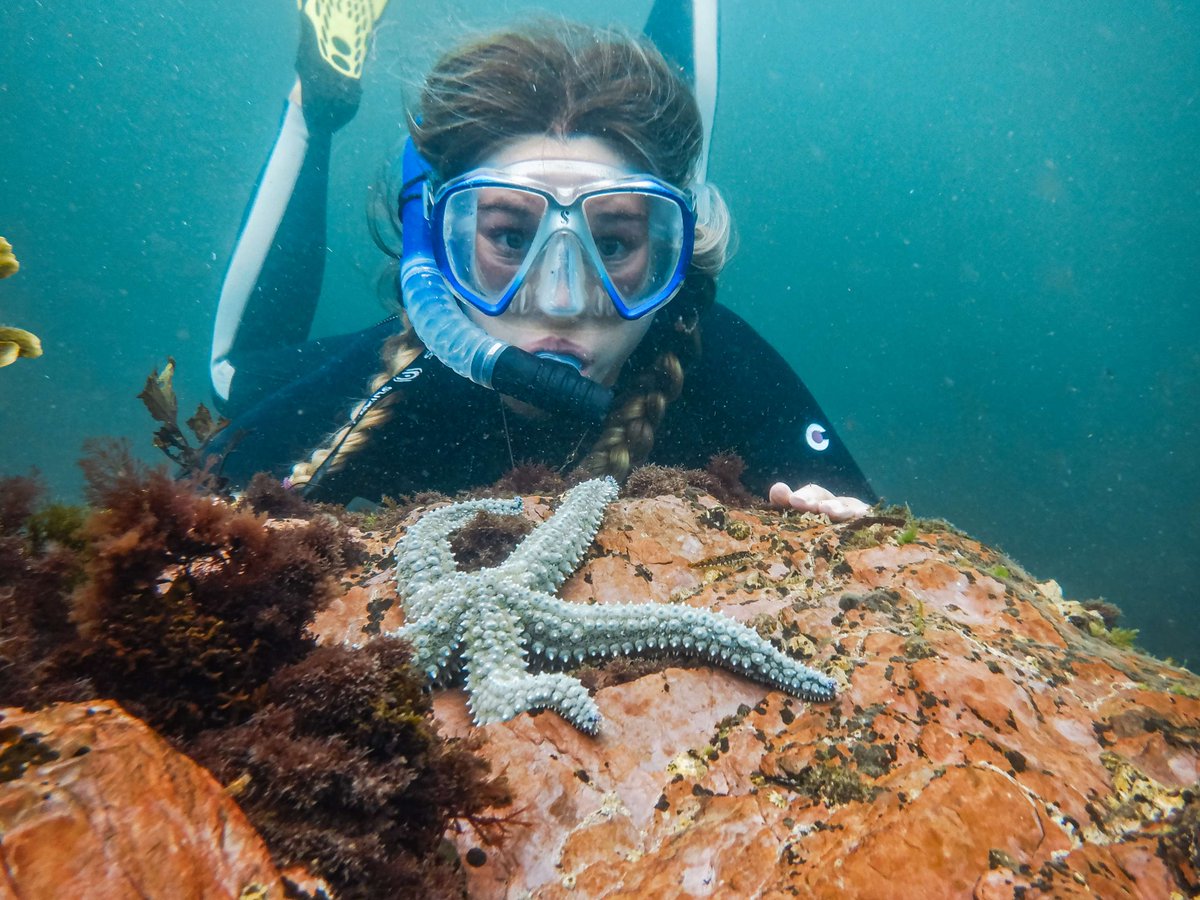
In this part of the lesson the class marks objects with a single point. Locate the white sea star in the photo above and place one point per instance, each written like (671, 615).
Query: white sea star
(487, 622)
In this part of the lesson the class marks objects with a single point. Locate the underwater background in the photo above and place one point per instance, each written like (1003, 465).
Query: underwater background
(973, 229)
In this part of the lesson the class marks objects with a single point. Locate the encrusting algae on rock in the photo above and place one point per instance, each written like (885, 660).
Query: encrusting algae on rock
(14, 342)
(980, 743)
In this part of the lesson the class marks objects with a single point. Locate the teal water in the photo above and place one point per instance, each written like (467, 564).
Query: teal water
(972, 228)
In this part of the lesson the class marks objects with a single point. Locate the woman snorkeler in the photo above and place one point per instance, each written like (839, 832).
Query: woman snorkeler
(560, 250)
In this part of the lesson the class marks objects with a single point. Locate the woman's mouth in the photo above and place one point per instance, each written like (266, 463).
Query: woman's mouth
(559, 357)
(562, 351)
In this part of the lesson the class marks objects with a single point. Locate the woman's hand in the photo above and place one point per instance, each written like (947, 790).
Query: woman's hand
(815, 499)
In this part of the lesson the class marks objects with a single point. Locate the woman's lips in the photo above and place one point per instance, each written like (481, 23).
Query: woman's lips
(560, 347)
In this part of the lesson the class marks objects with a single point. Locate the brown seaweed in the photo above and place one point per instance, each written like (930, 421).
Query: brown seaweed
(160, 401)
(192, 612)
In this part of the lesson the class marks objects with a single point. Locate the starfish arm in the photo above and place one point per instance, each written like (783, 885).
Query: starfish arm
(434, 622)
(499, 683)
(550, 553)
(497, 696)
(435, 642)
(423, 555)
(573, 631)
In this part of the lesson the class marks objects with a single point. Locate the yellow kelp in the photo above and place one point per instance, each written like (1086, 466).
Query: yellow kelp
(8, 262)
(17, 342)
(14, 342)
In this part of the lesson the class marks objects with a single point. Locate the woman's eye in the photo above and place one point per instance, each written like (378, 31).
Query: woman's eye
(610, 246)
(510, 241)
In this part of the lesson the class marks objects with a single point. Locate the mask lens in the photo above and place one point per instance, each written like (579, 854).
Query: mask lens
(491, 237)
(639, 239)
(488, 234)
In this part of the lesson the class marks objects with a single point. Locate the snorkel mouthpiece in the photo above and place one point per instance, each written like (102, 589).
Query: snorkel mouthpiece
(553, 385)
(562, 358)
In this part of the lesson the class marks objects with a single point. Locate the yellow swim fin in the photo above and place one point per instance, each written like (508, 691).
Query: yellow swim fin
(343, 27)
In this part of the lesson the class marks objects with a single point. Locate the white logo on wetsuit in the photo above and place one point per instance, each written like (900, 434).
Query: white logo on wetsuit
(814, 434)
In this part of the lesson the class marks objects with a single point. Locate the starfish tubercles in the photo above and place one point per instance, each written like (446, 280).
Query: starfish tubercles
(487, 623)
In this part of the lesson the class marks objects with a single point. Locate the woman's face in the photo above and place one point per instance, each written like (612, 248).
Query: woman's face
(561, 308)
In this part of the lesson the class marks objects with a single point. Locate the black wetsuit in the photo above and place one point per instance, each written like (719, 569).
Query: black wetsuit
(447, 433)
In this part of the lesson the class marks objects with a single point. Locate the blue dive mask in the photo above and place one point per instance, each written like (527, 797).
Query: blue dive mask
(564, 237)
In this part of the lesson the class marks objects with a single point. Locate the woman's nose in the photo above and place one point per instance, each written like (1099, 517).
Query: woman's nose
(560, 288)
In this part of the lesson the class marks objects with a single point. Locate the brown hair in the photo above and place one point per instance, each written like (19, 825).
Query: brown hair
(563, 79)
(559, 80)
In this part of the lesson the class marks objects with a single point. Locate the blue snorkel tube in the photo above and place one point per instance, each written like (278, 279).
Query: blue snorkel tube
(447, 331)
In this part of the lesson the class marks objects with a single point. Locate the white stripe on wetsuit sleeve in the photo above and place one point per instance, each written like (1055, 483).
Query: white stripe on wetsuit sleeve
(705, 27)
(258, 232)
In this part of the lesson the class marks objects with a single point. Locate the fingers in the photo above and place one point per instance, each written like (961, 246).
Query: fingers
(843, 509)
(810, 497)
(780, 495)
(816, 499)
(805, 499)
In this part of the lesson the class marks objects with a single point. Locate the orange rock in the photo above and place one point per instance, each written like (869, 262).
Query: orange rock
(94, 804)
(981, 742)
